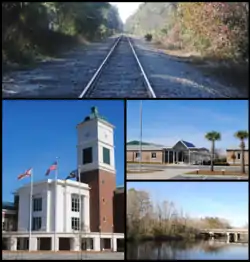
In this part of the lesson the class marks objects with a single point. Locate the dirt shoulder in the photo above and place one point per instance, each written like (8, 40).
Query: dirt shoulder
(225, 72)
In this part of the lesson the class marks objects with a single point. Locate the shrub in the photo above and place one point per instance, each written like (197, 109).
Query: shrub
(148, 37)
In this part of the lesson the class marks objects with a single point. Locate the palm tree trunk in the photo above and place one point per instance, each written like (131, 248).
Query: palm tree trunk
(212, 157)
(242, 158)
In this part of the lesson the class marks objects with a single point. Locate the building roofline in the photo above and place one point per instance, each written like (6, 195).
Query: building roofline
(96, 119)
(59, 182)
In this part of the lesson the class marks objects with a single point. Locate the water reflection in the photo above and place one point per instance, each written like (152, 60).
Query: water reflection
(187, 250)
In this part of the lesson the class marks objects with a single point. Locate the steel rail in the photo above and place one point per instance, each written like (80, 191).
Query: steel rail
(98, 72)
(94, 77)
(150, 89)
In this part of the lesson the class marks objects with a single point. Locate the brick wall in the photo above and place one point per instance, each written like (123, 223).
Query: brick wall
(119, 210)
(237, 161)
(146, 156)
(102, 185)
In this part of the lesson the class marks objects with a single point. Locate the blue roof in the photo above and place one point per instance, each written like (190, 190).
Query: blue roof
(188, 144)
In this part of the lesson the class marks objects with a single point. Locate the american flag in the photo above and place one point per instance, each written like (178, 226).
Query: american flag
(52, 167)
(26, 173)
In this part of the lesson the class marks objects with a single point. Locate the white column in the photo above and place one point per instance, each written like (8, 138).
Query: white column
(65, 206)
(114, 244)
(55, 243)
(173, 157)
(75, 244)
(82, 213)
(96, 241)
(228, 237)
(13, 243)
(33, 243)
(235, 237)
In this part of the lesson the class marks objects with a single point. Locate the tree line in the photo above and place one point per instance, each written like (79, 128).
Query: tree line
(31, 28)
(215, 29)
(148, 219)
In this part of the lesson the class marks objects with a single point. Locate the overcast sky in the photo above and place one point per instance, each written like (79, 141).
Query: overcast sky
(126, 9)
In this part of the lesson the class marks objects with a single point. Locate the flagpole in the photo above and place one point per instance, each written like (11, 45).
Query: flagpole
(140, 135)
(30, 222)
(56, 175)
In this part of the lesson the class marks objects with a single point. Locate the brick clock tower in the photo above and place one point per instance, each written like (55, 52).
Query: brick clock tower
(95, 158)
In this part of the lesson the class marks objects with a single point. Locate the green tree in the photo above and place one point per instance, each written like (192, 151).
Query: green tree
(242, 135)
(212, 137)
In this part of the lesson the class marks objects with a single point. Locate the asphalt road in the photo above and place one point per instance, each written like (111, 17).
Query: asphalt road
(62, 256)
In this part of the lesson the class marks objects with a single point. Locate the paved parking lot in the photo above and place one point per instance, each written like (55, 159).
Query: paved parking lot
(176, 172)
(62, 256)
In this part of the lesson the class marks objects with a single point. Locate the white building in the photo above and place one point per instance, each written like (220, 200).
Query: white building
(46, 214)
(60, 219)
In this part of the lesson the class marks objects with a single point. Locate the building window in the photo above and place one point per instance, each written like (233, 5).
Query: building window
(36, 223)
(37, 204)
(75, 203)
(87, 156)
(137, 155)
(103, 200)
(3, 226)
(153, 155)
(106, 156)
(238, 155)
(102, 181)
(104, 219)
(75, 223)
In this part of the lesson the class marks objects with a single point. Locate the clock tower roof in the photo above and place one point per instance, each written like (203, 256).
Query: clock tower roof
(94, 114)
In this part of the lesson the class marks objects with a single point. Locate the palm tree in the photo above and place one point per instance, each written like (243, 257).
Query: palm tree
(242, 135)
(213, 136)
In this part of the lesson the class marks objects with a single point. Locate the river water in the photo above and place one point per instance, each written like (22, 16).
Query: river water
(212, 250)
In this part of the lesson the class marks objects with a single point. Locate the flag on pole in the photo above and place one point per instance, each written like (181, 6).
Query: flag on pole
(52, 167)
(73, 174)
(25, 174)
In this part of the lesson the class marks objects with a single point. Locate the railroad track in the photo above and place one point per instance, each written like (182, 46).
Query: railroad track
(120, 75)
